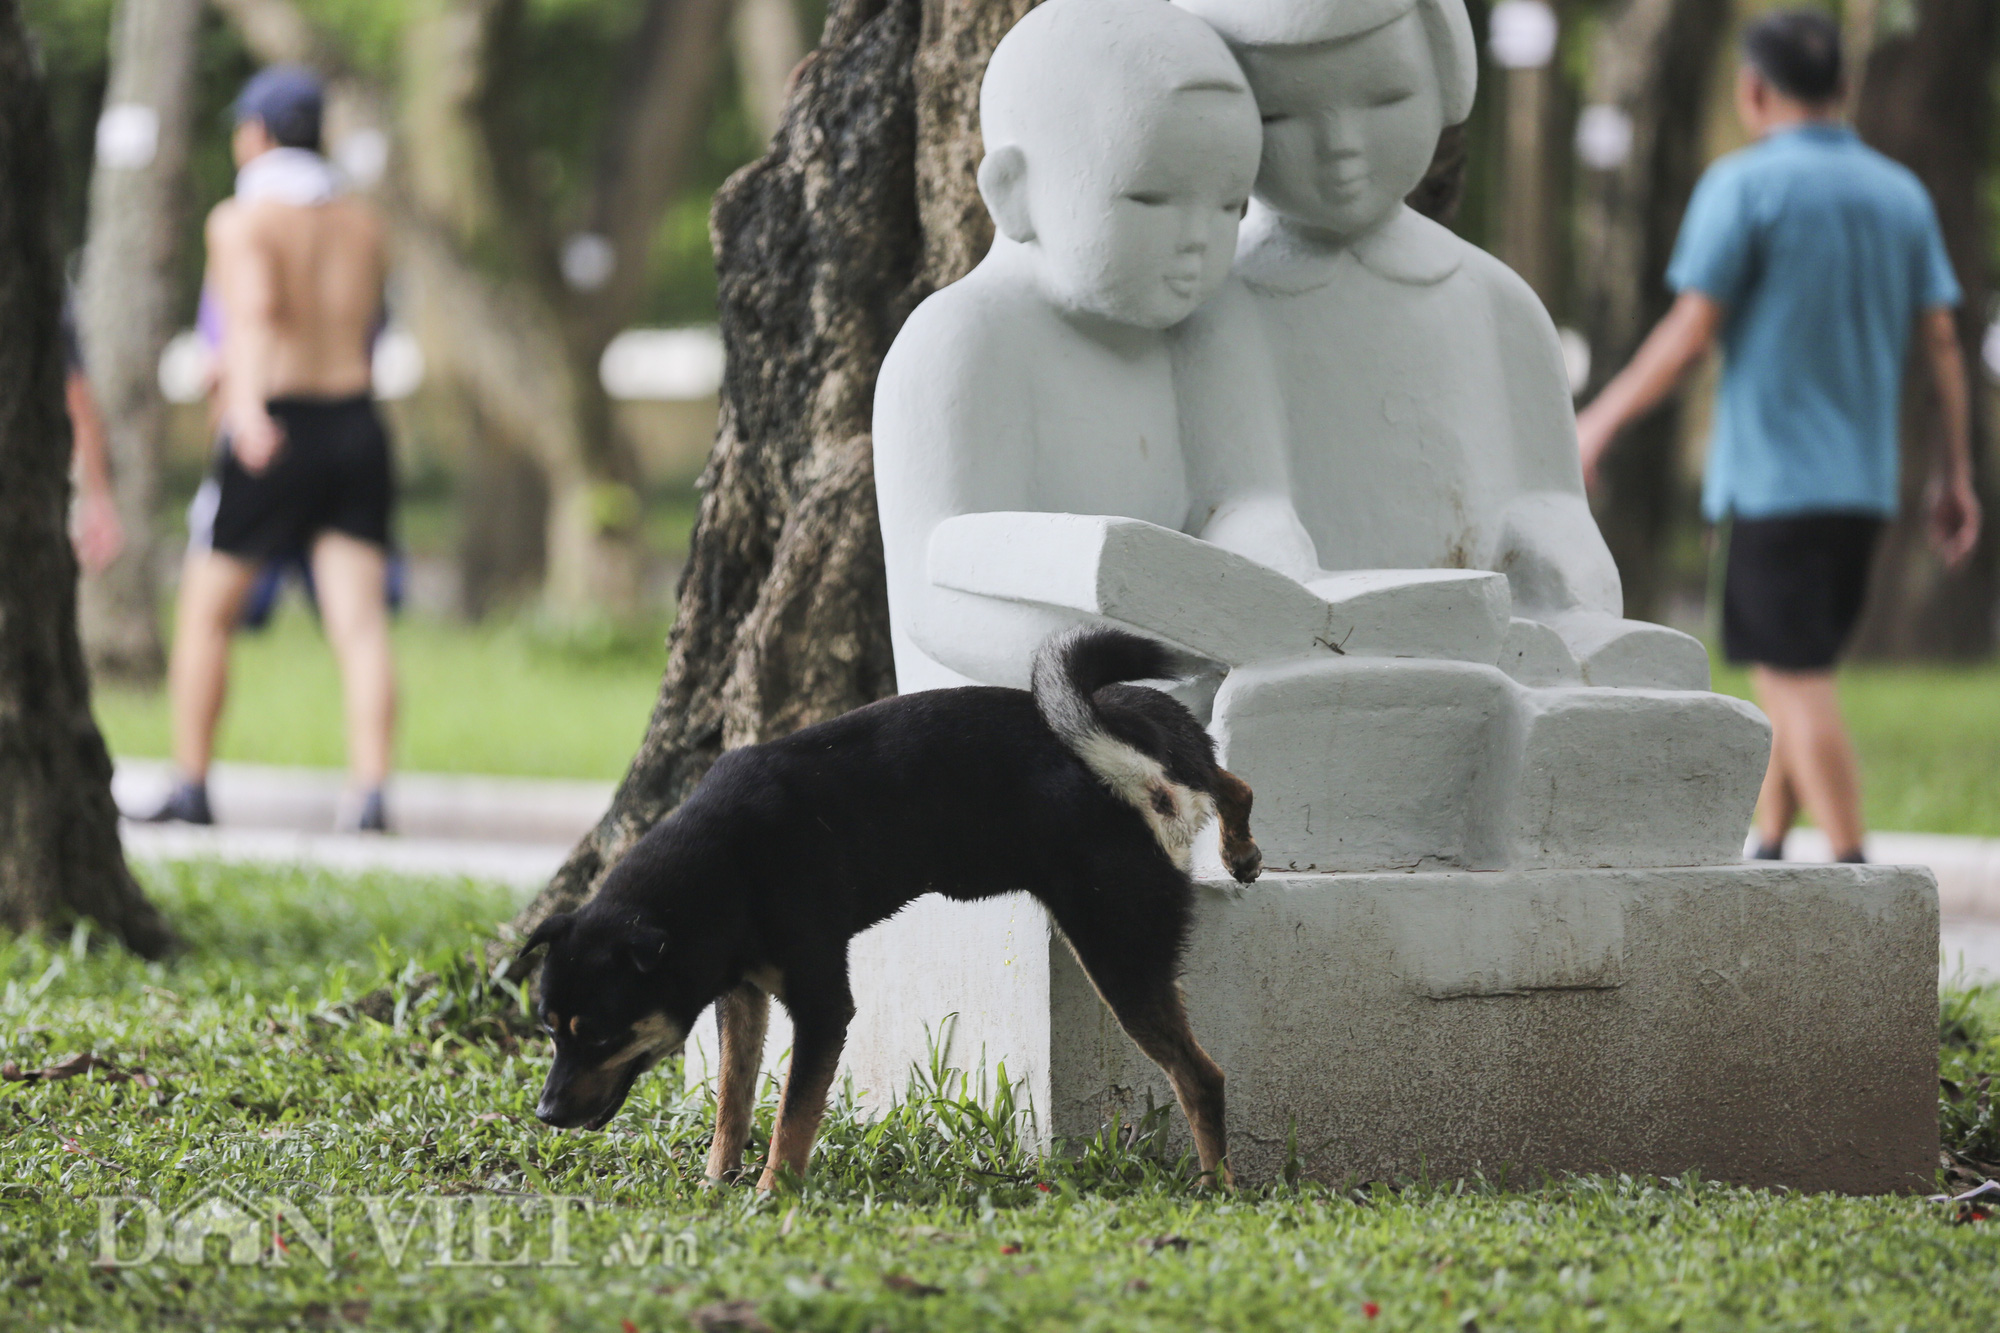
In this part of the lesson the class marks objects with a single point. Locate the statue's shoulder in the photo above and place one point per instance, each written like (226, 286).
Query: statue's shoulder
(1413, 251)
(973, 327)
(1512, 301)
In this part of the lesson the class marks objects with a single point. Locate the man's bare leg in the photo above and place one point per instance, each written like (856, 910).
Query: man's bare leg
(1777, 805)
(1819, 761)
(212, 590)
(351, 578)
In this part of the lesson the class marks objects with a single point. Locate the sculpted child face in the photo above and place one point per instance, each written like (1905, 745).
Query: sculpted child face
(1143, 230)
(1349, 126)
(1121, 145)
(1137, 227)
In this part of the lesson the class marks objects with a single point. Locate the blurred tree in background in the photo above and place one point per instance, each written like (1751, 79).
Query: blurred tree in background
(127, 306)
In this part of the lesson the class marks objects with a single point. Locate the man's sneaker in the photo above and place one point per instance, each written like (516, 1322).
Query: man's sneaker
(369, 815)
(187, 803)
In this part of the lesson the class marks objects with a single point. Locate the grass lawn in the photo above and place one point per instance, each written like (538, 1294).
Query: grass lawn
(502, 698)
(1929, 739)
(507, 698)
(258, 1082)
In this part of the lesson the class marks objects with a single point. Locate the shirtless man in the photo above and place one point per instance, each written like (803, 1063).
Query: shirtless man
(303, 462)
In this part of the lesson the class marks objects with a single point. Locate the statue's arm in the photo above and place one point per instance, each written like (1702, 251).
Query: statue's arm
(1234, 438)
(952, 437)
(1548, 542)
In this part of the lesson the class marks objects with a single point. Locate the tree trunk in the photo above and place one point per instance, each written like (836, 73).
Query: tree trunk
(1653, 62)
(1926, 101)
(865, 203)
(59, 851)
(503, 507)
(769, 46)
(137, 210)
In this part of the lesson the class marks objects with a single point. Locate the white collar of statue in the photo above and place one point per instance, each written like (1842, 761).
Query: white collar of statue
(290, 176)
(1408, 249)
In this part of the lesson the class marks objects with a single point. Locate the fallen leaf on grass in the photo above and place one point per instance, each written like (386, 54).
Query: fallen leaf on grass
(728, 1317)
(73, 1065)
(909, 1286)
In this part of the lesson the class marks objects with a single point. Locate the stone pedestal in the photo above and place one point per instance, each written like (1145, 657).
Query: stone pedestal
(1767, 1025)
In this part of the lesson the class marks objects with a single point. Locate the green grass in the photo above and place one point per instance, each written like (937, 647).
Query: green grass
(521, 699)
(503, 698)
(935, 1218)
(1929, 740)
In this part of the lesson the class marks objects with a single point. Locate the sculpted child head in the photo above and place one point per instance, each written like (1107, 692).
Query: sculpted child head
(1121, 145)
(1353, 95)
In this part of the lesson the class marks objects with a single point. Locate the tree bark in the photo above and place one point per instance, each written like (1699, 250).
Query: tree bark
(865, 203)
(59, 850)
(137, 211)
(1653, 61)
(1926, 101)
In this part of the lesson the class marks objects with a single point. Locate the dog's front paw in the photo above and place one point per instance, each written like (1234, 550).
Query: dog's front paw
(1245, 862)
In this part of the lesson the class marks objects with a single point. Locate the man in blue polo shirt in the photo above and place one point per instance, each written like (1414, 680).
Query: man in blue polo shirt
(1815, 258)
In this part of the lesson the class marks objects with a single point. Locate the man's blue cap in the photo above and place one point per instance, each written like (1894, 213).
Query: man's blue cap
(287, 98)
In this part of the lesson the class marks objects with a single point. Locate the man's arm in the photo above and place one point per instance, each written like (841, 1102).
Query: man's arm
(1954, 504)
(246, 284)
(99, 535)
(1674, 345)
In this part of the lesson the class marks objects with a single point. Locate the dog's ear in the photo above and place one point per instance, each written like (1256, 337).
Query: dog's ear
(552, 929)
(647, 948)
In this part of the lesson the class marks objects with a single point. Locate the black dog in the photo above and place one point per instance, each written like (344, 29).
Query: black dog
(1087, 793)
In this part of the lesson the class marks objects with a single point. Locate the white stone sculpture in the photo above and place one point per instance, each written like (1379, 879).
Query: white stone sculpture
(1349, 481)
(1121, 145)
(1425, 406)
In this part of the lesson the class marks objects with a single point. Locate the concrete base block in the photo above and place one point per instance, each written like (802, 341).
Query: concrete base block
(1767, 1024)
(1370, 764)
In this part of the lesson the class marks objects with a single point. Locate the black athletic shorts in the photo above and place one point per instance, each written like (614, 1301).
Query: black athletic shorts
(333, 472)
(1792, 587)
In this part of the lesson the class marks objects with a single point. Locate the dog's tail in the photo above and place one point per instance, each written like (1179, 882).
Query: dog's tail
(1070, 667)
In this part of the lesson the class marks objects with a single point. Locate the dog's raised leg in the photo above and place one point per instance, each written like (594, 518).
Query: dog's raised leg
(1158, 1025)
(818, 1035)
(741, 1017)
(1232, 807)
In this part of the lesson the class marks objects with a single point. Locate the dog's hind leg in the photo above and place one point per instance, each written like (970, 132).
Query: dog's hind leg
(741, 1016)
(819, 1033)
(1232, 806)
(1158, 1024)
(1133, 972)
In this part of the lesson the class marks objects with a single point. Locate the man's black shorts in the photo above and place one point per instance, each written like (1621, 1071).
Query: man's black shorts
(333, 472)
(1792, 587)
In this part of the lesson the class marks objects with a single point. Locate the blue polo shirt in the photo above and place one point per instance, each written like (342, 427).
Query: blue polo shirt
(1823, 253)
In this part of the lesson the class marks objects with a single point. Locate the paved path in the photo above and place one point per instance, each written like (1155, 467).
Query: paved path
(518, 831)
(523, 865)
(421, 805)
